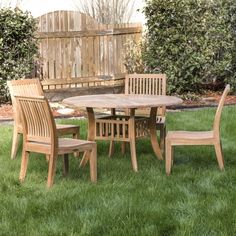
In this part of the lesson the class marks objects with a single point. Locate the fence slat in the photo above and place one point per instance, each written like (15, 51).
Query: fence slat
(74, 45)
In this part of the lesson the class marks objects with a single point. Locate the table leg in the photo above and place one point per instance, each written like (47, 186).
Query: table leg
(112, 143)
(132, 136)
(153, 133)
(123, 144)
(91, 134)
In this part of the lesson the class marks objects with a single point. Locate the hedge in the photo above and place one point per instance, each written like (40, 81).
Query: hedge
(192, 41)
(18, 46)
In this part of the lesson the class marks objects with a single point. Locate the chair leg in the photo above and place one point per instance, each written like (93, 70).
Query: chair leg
(15, 143)
(111, 148)
(162, 137)
(24, 164)
(219, 155)
(93, 163)
(51, 170)
(172, 156)
(84, 159)
(133, 155)
(76, 136)
(66, 164)
(47, 157)
(168, 157)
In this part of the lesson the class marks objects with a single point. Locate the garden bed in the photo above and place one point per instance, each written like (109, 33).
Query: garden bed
(209, 100)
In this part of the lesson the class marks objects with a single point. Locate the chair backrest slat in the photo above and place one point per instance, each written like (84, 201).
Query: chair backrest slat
(37, 119)
(25, 87)
(216, 125)
(146, 84)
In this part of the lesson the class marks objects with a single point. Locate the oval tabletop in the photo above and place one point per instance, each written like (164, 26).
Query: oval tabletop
(122, 101)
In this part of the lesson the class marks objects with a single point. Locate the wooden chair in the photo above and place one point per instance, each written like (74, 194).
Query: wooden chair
(40, 135)
(150, 84)
(31, 87)
(147, 84)
(176, 138)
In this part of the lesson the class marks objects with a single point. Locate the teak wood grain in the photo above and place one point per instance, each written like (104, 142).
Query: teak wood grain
(72, 44)
(150, 84)
(123, 128)
(31, 87)
(40, 135)
(122, 101)
(176, 138)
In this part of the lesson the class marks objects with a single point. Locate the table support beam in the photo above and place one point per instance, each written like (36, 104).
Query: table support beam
(153, 133)
(132, 136)
(91, 134)
(112, 143)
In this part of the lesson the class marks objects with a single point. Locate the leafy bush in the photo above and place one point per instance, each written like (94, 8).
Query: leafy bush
(133, 57)
(18, 46)
(192, 41)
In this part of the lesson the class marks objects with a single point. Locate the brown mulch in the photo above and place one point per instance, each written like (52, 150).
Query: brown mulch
(210, 100)
(6, 111)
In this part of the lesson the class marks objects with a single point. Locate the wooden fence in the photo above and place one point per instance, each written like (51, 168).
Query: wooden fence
(73, 45)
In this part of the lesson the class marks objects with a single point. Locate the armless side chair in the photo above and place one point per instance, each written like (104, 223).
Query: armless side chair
(31, 87)
(177, 138)
(150, 84)
(147, 84)
(40, 136)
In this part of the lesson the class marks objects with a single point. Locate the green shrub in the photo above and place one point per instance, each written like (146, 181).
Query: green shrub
(133, 58)
(192, 41)
(18, 46)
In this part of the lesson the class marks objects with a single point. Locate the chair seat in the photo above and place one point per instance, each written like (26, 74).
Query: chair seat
(190, 137)
(67, 129)
(190, 134)
(69, 143)
(65, 145)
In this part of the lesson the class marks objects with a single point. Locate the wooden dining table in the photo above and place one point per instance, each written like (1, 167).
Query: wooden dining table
(123, 128)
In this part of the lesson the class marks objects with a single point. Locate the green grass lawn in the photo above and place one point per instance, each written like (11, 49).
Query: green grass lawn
(197, 199)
